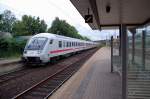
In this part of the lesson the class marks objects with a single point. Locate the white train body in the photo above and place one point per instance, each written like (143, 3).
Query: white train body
(41, 48)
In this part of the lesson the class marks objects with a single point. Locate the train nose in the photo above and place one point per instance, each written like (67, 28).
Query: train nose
(32, 53)
(31, 59)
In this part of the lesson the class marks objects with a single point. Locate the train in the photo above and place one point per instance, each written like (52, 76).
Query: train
(42, 48)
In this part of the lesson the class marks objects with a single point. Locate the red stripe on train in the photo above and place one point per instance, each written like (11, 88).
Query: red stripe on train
(63, 50)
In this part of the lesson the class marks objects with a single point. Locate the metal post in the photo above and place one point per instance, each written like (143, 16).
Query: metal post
(143, 50)
(111, 54)
(124, 60)
(133, 45)
(120, 40)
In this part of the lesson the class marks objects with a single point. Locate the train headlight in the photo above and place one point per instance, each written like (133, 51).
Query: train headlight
(25, 52)
(39, 52)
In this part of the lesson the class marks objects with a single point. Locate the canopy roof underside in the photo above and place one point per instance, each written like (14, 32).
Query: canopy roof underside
(130, 12)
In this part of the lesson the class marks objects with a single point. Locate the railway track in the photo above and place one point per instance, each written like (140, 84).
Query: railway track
(46, 87)
(27, 85)
(14, 74)
(4, 78)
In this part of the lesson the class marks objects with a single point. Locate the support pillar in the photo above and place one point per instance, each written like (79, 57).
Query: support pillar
(124, 60)
(143, 49)
(133, 46)
(120, 40)
(111, 54)
(133, 31)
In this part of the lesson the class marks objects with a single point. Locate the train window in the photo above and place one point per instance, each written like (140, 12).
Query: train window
(37, 43)
(67, 44)
(60, 44)
(63, 43)
(51, 41)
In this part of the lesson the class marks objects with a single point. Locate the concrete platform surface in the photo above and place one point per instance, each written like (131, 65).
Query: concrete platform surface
(93, 80)
(9, 65)
(9, 61)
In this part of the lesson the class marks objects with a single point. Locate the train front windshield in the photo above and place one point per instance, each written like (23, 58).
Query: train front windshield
(37, 43)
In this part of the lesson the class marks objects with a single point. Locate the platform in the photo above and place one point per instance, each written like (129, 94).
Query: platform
(9, 61)
(9, 65)
(93, 80)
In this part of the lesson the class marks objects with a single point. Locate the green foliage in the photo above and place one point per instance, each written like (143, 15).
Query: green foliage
(61, 27)
(86, 38)
(6, 21)
(19, 29)
(29, 26)
(11, 47)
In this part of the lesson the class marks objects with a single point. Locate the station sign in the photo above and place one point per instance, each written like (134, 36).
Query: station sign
(88, 18)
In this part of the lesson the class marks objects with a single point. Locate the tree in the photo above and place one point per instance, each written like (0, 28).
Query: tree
(86, 38)
(61, 27)
(43, 26)
(1, 21)
(19, 29)
(29, 26)
(7, 19)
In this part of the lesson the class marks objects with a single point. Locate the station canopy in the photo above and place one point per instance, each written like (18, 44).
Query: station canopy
(108, 14)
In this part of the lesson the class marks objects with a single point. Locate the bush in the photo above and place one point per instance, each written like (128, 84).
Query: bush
(11, 47)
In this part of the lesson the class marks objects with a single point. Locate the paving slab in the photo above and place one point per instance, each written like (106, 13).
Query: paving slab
(9, 65)
(93, 80)
(9, 61)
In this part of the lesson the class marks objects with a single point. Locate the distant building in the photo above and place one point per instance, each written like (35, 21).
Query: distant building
(105, 42)
(20, 38)
(24, 37)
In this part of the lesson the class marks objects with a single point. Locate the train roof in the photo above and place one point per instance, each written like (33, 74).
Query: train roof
(50, 35)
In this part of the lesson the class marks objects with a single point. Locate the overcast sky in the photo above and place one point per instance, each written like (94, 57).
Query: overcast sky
(49, 9)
